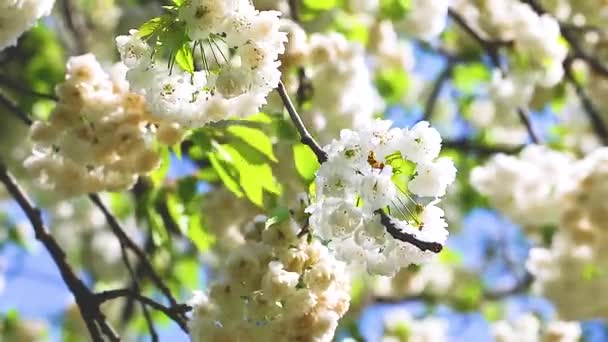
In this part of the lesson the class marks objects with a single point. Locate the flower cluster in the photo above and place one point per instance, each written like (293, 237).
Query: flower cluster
(344, 95)
(537, 39)
(275, 284)
(245, 44)
(365, 205)
(98, 137)
(527, 188)
(435, 278)
(399, 325)
(543, 188)
(425, 19)
(18, 16)
(578, 245)
(527, 327)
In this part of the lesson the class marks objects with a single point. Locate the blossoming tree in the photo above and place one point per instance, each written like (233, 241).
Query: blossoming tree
(237, 170)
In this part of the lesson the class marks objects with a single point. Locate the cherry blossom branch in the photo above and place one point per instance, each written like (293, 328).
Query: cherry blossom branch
(76, 25)
(470, 146)
(137, 288)
(131, 245)
(87, 303)
(13, 108)
(175, 313)
(594, 116)
(14, 85)
(124, 240)
(305, 136)
(492, 49)
(568, 33)
(398, 234)
(443, 77)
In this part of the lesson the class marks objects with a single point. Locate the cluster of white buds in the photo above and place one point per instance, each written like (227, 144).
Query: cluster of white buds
(529, 187)
(528, 328)
(366, 206)
(274, 285)
(537, 40)
(98, 137)
(239, 47)
(399, 325)
(18, 16)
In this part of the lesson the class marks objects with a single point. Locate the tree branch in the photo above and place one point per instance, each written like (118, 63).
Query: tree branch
(492, 49)
(395, 232)
(305, 136)
(443, 77)
(13, 108)
(568, 34)
(593, 114)
(85, 299)
(175, 313)
(469, 146)
(130, 244)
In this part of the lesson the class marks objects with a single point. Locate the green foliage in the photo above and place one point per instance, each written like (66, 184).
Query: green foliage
(394, 9)
(319, 5)
(306, 162)
(469, 77)
(393, 84)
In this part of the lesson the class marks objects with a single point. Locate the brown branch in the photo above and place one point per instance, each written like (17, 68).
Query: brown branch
(443, 77)
(131, 245)
(492, 49)
(593, 114)
(175, 313)
(85, 299)
(14, 85)
(75, 23)
(305, 136)
(13, 108)
(469, 146)
(568, 33)
(137, 289)
(395, 232)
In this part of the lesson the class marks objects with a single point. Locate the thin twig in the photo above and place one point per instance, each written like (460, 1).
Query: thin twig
(592, 112)
(13, 108)
(492, 49)
(14, 85)
(568, 34)
(129, 243)
(85, 299)
(469, 146)
(398, 234)
(443, 77)
(175, 313)
(137, 288)
(305, 136)
(76, 25)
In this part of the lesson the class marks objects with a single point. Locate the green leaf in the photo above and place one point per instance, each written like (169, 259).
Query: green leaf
(198, 234)
(256, 180)
(220, 167)
(306, 161)
(320, 5)
(393, 84)
(467, 77)
(158, 175)
(254, 138)
(150, 27)
(394, 9)
(279, 215)
(184, 58)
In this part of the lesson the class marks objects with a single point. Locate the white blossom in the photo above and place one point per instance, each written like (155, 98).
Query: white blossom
(18, 16)
(358, 180)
